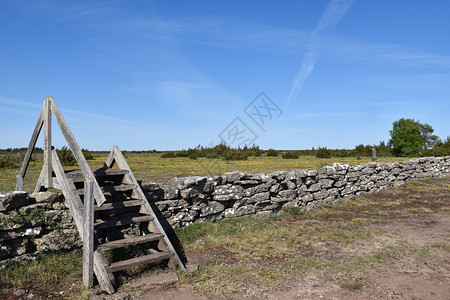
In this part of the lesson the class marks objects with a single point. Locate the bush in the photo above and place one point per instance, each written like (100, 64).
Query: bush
(290, 155)
(169, 154)
(253, 150)
(10, 161)
(235, 154)
(323, 153)
(272, 153)
(87, 154)
(66, 157)
(440, 149)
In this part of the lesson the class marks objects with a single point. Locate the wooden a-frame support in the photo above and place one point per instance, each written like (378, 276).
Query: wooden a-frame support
(53, 176)
(45, 179)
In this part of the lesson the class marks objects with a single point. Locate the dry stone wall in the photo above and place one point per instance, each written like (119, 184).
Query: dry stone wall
(183, 201)
(31, 224)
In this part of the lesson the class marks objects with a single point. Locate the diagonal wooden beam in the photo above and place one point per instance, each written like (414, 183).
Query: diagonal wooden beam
(122, 164)
(105, 279)
(84, 166)
(31, 145)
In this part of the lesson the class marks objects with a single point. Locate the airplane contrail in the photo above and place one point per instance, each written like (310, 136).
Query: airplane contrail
(331, 17)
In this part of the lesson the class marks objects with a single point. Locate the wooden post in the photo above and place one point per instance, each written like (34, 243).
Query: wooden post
(19, 183)
(47, 175)
(88, 235)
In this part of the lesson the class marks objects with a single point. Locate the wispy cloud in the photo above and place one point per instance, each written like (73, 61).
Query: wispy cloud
(333, 14)
(20, 103)
(20, 107)
(390, 54)
(410, 81)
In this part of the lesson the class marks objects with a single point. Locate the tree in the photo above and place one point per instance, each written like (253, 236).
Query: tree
(406, 138)
(429, 139)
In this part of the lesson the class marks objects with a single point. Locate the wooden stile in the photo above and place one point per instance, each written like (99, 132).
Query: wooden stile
(122, 216)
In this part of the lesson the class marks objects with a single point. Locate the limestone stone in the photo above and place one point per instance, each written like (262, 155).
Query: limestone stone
(13, 200)
(258, 197)
(47, 197)
(68, 239)
(235, 176)
(213, 207)
(288, 194)
(5, 251)
(170, 192)
(250, 182)
(189, 193)
(256, 190)
(275, 188)
(314, 188)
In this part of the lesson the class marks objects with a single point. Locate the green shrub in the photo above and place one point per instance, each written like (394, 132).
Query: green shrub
(235, 154)
(290, 155)
(272, 153)
(169, 154)
(440, 149)
(10, 161)
(66, 157)
(323, 153)
(87, 154)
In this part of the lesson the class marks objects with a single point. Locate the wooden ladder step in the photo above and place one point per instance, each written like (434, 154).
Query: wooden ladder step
(111, 188)
(119, 204)
(121, 222)
(130, 241)
(100, 172)
(133, 262)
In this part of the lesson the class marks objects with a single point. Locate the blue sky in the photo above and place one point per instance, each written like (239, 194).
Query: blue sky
(170, 75)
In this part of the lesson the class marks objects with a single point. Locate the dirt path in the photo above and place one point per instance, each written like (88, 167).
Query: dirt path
(405, 255)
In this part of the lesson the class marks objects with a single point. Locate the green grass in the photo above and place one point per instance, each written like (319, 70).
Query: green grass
(55, 269)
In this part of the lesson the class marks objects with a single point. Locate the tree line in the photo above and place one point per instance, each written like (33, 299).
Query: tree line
(409, 138)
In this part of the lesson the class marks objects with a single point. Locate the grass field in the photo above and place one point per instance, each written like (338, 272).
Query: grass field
(376, 246)
(151, 167)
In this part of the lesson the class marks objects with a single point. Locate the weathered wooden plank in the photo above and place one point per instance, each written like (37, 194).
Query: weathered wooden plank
(118, 205)
(130, 241)
(122, 164)
(72, 200)
(110, 160)
(112, 188)
(56, 183)
(40, 180)
(47, 169)
(19, 183)
(121, 222)
(105, 278)
(101, 172)
(33, 140)
(88, 235)
(84, 166)
(137, 261)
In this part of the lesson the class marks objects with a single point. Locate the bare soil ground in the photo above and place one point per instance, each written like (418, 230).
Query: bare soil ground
(405, 254)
